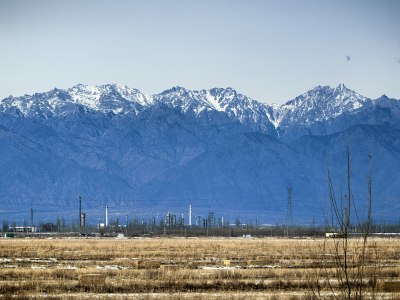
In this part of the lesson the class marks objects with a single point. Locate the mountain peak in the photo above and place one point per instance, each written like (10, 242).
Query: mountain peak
(341, 88)
(328, 94)
(318, 104)
(175, 89)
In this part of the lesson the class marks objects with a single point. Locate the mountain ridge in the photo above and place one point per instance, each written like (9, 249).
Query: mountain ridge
(321, 103)
(214, 149)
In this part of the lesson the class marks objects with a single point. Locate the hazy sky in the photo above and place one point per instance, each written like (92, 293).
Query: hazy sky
(271, 51)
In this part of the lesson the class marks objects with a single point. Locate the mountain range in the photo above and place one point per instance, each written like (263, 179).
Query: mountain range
(215, 149)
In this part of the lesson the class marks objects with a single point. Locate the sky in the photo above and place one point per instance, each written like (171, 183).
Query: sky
(271, 51)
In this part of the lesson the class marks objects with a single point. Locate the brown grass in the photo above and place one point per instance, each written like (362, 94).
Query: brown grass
(177, 268)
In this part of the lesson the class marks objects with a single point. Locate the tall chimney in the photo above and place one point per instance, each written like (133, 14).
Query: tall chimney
(190, 215)
(83, 220)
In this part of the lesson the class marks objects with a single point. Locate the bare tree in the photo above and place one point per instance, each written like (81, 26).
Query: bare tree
(345, 254)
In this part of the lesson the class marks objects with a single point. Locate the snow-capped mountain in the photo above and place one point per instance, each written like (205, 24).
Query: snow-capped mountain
(122, 100)
(237, 106)
(215, 149)
(320, 104)
(317, 105)
(105, 98)
(112, 97)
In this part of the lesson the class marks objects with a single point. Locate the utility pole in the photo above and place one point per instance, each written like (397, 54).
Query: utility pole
(288, 211)
(80, 212)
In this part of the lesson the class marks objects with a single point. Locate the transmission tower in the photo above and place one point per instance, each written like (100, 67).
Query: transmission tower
(289, 217)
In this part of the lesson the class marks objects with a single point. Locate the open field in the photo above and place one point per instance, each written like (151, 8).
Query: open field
(186, 268)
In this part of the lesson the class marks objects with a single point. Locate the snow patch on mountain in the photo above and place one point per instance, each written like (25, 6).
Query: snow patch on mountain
(213, 102)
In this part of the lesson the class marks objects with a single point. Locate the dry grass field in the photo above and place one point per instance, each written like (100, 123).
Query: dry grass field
(186, 268)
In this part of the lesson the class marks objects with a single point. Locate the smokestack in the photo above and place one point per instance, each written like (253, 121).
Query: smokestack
(106, 216)
(83, 220)
(190, 215)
